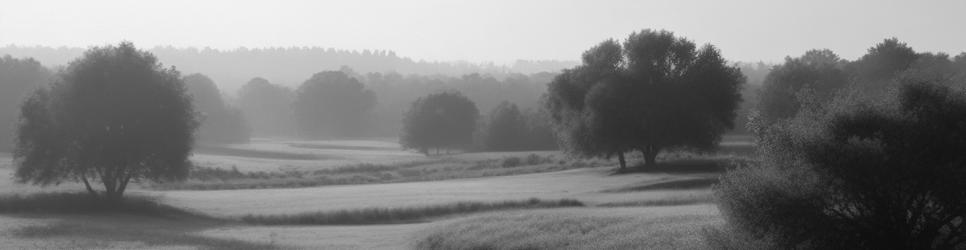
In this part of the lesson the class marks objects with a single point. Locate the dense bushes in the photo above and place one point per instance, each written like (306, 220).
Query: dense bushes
(882, 175)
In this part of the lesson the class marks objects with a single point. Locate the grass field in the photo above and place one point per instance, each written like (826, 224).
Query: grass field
(494, 200)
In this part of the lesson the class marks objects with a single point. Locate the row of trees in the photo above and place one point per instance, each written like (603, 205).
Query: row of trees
(344, 103)
(448, 120)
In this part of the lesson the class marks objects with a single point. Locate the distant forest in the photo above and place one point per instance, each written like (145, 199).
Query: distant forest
(255, 91)
(293, 65)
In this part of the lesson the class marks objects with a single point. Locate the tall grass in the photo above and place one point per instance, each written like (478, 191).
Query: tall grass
(536, 231)
(401, 215)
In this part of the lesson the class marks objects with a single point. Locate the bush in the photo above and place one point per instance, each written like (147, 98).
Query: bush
(510, 162)
(868, 176)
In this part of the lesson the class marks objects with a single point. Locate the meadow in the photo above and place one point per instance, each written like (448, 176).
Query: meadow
(369, 194)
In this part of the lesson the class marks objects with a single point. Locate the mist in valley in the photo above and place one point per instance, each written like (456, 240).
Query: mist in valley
(482, 125)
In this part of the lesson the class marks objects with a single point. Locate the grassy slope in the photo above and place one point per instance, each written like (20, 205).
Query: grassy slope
(581, 184)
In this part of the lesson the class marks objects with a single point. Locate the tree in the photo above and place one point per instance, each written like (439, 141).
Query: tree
(883, 175)
(220, 123)
(332, 104)
(814, 77)
(116, 115)
(443, 120)
(506, 129)
(883, 62)
(18, 77)
(655, 92)
(268, 107)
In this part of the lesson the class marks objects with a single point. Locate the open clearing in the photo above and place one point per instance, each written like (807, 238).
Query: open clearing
(657, 209)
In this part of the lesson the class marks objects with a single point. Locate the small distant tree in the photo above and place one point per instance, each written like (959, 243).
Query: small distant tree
(116, 116)
(267, 107)
(18, 78)
(443, 120)
(655, 92)
(882, 175)
(506, 129)
(220, 122)
(332, 104)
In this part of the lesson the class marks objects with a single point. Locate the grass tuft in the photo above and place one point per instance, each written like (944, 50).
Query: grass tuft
(401, 215)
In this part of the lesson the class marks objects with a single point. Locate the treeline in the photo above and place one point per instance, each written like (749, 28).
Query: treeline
(289, 66)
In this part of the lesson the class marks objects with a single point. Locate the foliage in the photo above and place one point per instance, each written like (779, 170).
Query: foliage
(813, 77)
(267, 107)
(220, 122)
(883, 175)
(655, 92)
(18, 77)
(443, 120)
(332, 104)
(115, 116)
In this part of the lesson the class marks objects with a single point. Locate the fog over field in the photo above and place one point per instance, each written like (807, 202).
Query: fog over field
(431, 125)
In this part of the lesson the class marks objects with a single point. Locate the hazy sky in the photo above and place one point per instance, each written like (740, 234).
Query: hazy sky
(498, 31)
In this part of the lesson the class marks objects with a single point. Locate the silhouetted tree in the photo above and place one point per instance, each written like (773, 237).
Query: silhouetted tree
(443, 120)
(332, 104)
(18, 77)
(656, 92)
(115, 116)
(220, 123)
(883, 175)
(267, 107)
(813, 77)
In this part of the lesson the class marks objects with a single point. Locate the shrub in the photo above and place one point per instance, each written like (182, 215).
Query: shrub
(868, 176)
(510, 162)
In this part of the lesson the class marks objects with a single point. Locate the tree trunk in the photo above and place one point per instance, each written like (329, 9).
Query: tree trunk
(88, 186)
(620, 157)
(650, 155)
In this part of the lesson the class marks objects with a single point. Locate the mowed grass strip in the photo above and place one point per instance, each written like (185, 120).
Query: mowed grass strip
(367, 216)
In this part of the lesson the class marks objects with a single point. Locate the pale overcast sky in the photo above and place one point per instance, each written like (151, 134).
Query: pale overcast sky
(497, 31)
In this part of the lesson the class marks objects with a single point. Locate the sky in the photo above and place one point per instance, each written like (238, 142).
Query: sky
(498, 31)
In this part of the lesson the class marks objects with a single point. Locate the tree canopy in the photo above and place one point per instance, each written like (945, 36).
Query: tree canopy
(115, 115)
(443, 120)
(655, 92)
(332, 104)
(815, 76)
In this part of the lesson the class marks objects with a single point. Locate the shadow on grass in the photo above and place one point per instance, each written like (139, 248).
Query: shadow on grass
(698, 164)
(83, 203)
(664, 184)
(667, 201)
(220, 150)
(369, 216)
(83, 221)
